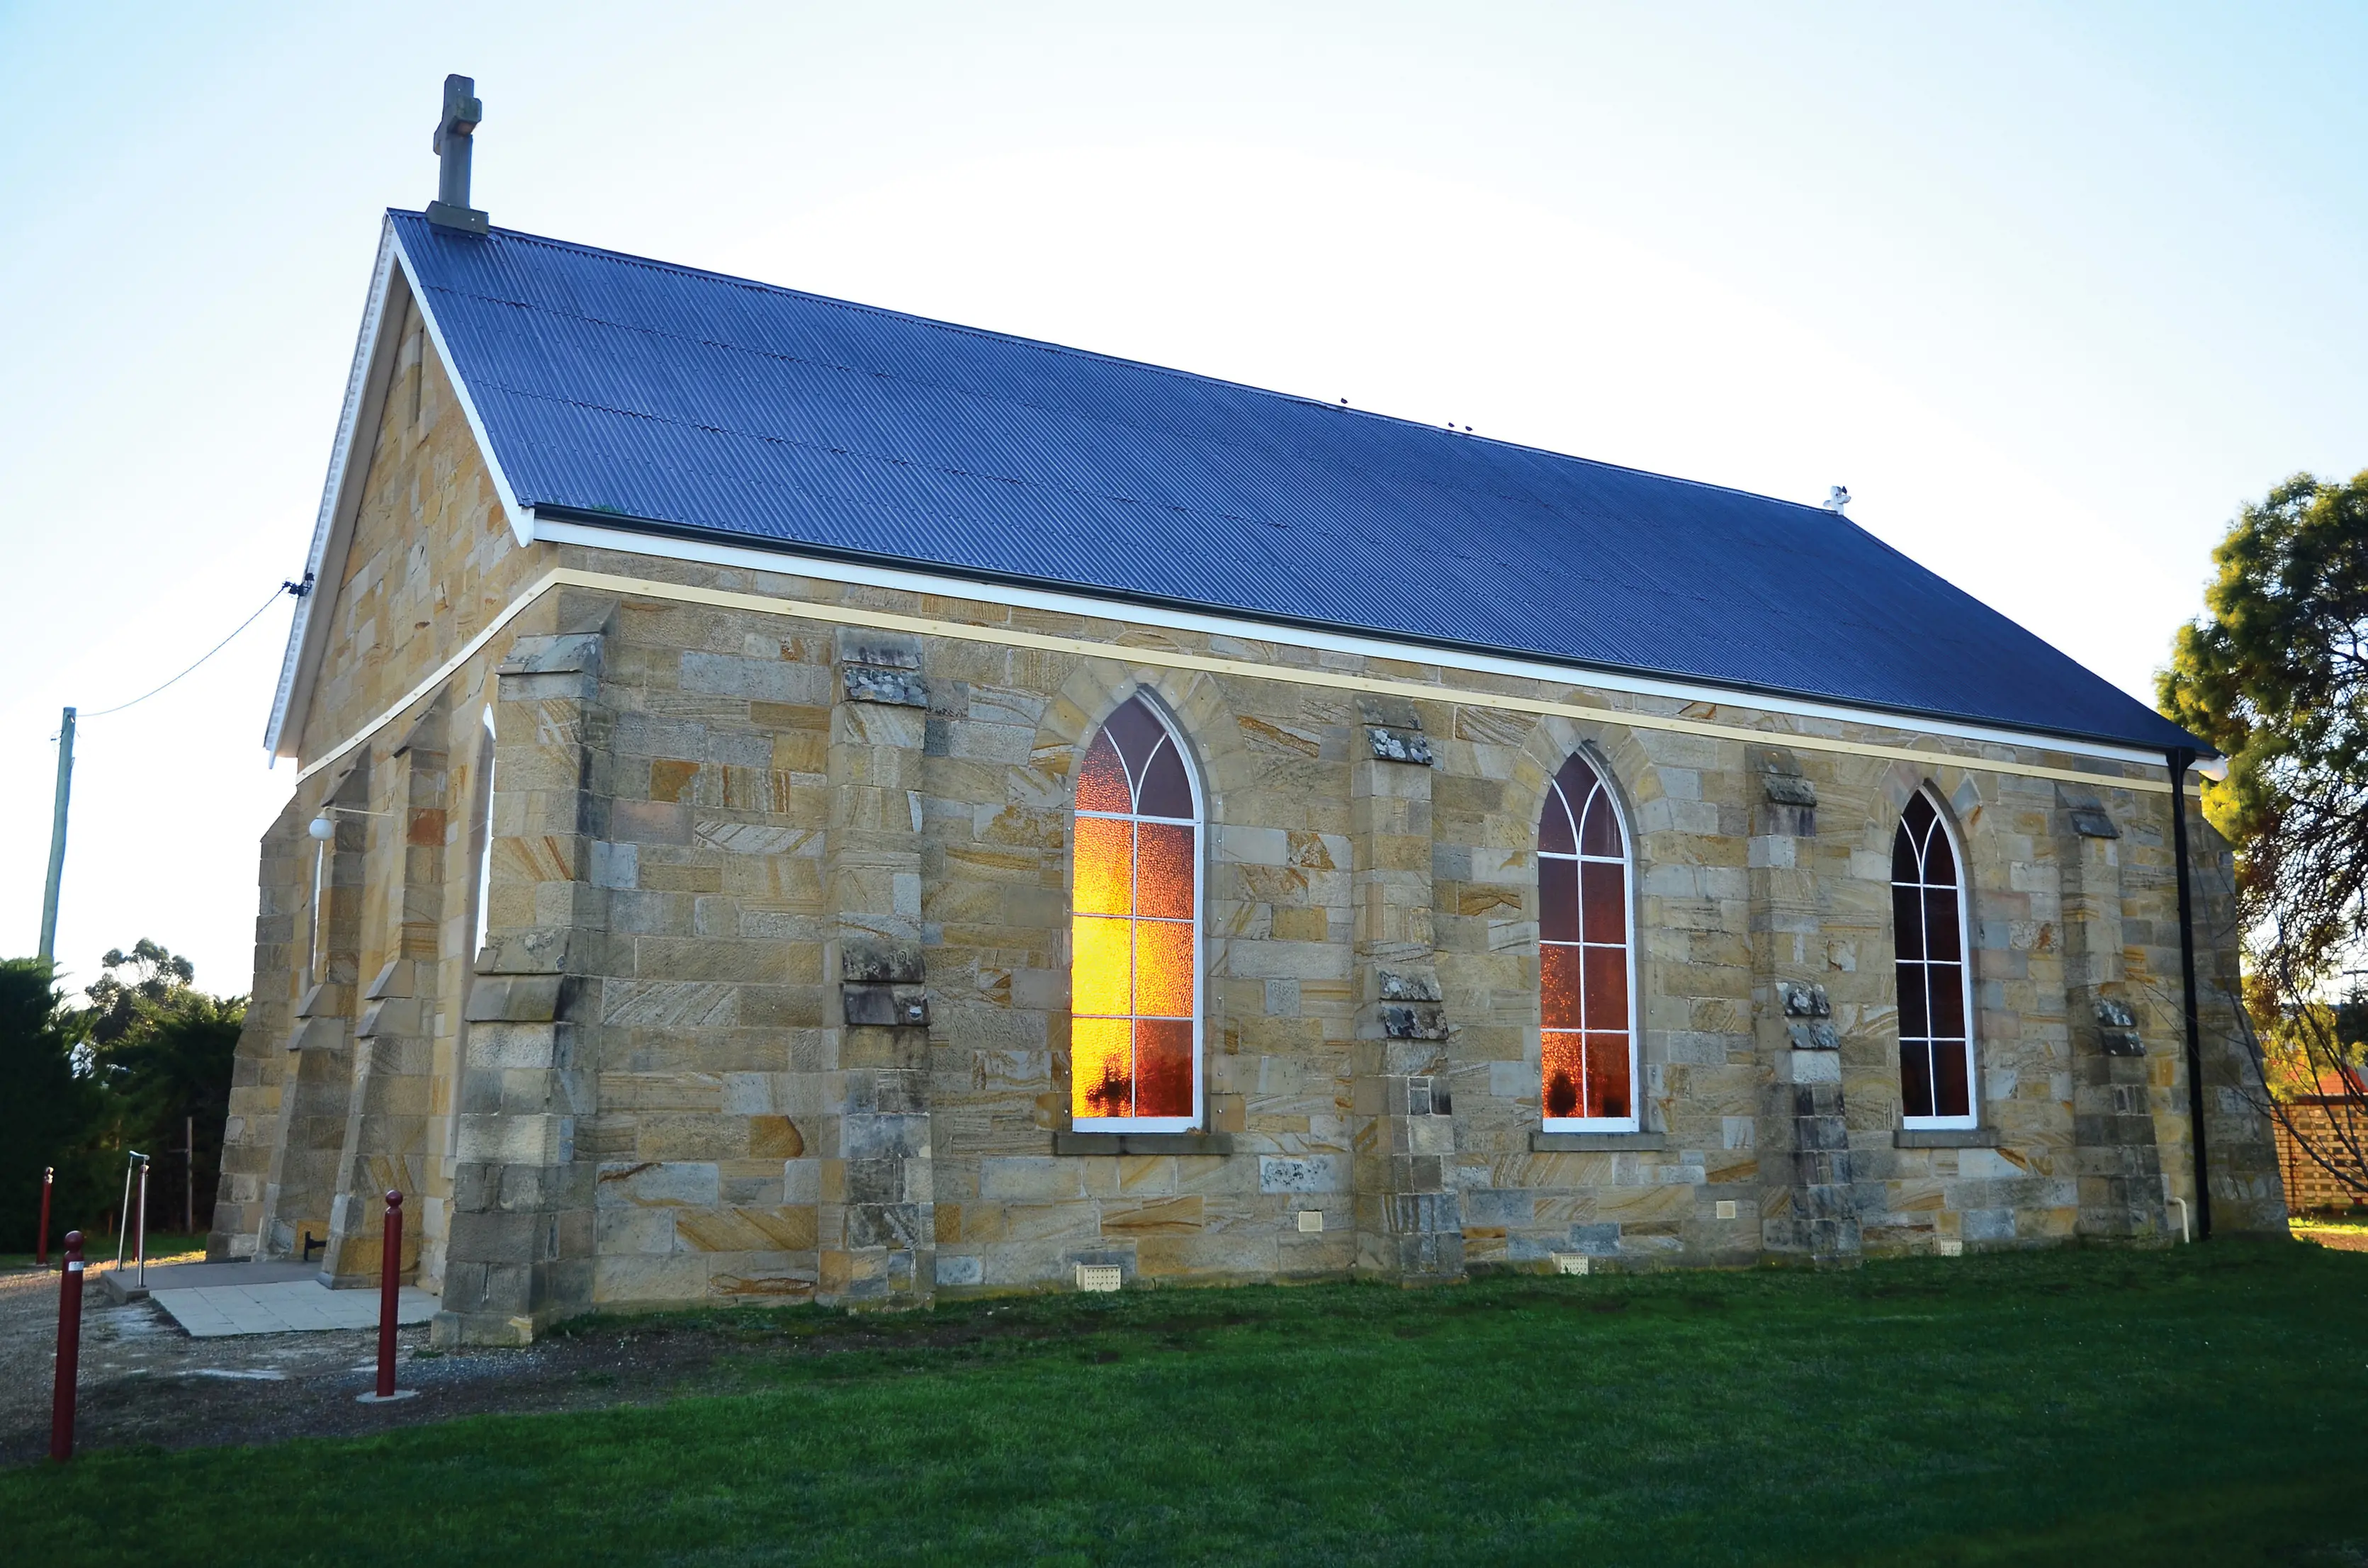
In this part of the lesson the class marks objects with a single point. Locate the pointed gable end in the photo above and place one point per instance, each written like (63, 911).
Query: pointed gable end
(402, 557)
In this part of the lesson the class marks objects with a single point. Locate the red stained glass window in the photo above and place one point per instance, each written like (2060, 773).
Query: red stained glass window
(1588, 1058)
(1928, 921)
(1135, 932)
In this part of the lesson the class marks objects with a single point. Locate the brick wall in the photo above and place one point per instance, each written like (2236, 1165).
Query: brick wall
(2330, 1127)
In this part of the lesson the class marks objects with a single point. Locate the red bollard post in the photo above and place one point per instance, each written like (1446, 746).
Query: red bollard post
(390, 1290)
(42, 1249)
(62, 1401)
(390, 1287)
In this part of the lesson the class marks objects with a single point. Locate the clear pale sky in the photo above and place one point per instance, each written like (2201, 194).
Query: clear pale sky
(2051, 290)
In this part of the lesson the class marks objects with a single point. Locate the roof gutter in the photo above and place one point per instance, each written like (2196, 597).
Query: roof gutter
(2179, 759)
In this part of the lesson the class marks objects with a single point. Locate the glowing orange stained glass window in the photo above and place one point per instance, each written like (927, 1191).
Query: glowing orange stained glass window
(1588, 1067)
(1134, 1031)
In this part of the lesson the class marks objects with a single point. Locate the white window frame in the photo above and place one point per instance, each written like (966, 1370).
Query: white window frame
(1198, 823)
(1972, 1116)
(1634, 1121)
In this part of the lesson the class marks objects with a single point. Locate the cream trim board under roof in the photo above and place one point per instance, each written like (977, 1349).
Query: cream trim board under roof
(375, 353)
(847, 615)
(788, 562)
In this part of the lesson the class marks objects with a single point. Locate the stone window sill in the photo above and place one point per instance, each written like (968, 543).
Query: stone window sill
(1143, 1143)
(1945, 1138)
(1589, 1142)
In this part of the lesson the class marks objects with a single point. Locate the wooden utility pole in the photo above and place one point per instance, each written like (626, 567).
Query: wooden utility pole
(57, 840)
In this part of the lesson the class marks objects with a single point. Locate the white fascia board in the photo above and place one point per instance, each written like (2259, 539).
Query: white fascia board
(366, 388)
(522, 520)
(365, 392)
(667, 547)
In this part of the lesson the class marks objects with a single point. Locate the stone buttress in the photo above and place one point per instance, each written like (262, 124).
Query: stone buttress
(521, 1247)
(1402, 1123)
(391, 1092)
(259, 1076)
(1809, 1208)
(316, 1095)
(2115, 1160)
(877, 1227)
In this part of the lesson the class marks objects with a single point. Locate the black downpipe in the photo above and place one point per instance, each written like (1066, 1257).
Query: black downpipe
(2179, 760)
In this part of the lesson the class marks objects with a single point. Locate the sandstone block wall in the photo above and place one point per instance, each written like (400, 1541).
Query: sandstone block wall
(432, 562)
(772, 998)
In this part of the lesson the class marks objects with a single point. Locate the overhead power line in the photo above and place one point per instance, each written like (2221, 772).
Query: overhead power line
(296, 589)
(66, 765)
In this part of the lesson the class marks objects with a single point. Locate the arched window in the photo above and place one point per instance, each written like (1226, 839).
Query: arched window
(1588, 1073)
(1936, 997)
(1135, 954)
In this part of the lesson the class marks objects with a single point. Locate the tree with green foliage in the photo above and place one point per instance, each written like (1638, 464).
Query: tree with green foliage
(50, 1114)
(160, 1050)
(2275, 675)
(143, 1067)
(118, 1003)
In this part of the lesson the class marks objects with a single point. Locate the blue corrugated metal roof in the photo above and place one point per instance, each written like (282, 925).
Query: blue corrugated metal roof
(638, 392)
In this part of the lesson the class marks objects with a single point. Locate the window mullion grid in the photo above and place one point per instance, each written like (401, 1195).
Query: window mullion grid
(1586, 1021)
(1131, 920)
(1584, 1026)
(1924, 967)
(1931, 1069)
(1578, 881)
(1578, 950)
(1931, 974)
(1962, 1042)
(1133, 968)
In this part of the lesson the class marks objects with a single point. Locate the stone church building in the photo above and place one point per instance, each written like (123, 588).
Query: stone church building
(797, 801)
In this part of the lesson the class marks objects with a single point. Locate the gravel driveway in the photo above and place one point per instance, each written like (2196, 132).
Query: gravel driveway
(144, 1380)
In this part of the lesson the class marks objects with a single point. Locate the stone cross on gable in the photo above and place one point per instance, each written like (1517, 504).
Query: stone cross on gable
(455, 136)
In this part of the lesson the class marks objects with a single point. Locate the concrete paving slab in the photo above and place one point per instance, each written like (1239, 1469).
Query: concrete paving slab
(182, 1276)
(288, 1306)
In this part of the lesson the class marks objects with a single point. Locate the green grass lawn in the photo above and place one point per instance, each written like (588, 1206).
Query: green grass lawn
(101, 1249)
(2207, 1405)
